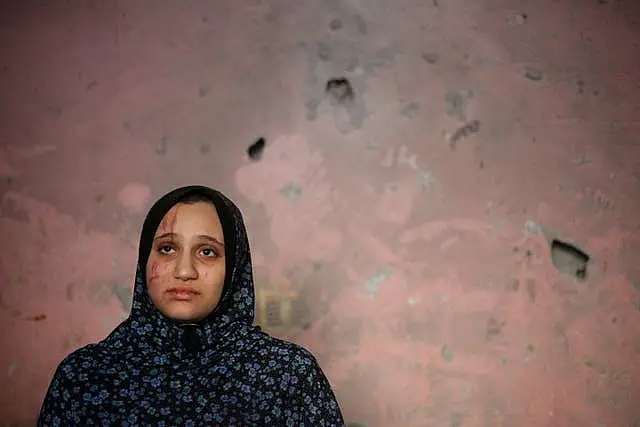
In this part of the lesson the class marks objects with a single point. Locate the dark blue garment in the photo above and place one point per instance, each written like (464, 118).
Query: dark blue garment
(221, 371)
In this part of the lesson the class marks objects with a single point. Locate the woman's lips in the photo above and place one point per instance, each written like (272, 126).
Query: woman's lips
(182, 293)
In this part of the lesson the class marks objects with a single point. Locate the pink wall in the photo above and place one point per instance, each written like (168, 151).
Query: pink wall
(422, 268)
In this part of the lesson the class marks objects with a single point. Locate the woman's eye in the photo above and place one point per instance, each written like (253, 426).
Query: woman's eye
(165, 249)
(209, 253)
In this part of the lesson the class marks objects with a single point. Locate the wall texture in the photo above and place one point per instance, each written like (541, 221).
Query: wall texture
(404, 236)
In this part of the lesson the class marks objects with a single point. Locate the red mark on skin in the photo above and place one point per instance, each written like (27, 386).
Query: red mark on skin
(38, 318)
(168, 223)
(174, 219)
(159, 270)
(155, 273)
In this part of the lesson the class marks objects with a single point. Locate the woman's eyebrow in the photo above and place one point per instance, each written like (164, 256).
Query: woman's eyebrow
(211, 239)
(202, 236)
(165, 235)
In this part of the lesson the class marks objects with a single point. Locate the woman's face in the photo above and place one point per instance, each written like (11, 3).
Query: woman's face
(186, 267)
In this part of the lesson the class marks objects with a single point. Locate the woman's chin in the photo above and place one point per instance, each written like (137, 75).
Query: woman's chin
(182, 312)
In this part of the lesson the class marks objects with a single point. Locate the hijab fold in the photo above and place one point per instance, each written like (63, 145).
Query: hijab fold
(220, 371)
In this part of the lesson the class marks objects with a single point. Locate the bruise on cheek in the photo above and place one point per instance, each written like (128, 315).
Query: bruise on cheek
(157, 271)
(154, 272)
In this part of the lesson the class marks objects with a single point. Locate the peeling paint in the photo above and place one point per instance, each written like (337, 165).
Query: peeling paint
(292, 191)
(374, 282)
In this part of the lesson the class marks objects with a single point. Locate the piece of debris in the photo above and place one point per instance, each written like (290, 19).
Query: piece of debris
(340, 89)
(569, 259)
(464, 131)
(533, 74)
(256, 149)
(36, 318)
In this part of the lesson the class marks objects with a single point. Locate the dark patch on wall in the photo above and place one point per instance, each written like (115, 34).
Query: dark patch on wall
(36, 318)
(431, 58)
(70, 292)
(162, 145)
(494, 328)
(530, 285)
(569, 259)
(335, 24)
(457, 102)
(340, 90)
(464, 131)
(256, 149)
(533, 74)
(411, 110)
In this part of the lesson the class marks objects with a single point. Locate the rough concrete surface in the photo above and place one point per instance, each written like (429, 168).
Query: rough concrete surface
(405, 233)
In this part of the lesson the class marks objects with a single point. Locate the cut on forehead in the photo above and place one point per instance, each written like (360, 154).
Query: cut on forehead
(189, 199)
(199, 211)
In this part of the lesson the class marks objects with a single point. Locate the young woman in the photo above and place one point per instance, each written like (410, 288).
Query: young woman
(188, 354)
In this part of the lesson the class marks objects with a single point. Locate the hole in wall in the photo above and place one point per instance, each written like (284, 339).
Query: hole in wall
(340, 90)
(256, 149)
(569, 259)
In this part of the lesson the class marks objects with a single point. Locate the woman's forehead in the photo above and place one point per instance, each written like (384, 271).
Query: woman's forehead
(191, 218)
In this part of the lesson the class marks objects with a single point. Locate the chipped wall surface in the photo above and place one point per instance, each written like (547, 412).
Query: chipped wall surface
(403, 234)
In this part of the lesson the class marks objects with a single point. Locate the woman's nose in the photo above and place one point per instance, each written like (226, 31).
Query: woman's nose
(185, 270)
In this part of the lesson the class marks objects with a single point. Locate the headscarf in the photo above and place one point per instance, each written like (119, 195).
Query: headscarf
(220, 371)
